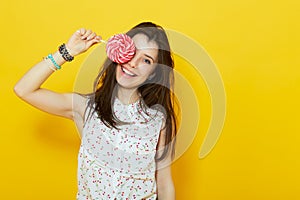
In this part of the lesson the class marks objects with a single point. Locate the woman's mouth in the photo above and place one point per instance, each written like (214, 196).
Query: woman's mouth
(127, 72)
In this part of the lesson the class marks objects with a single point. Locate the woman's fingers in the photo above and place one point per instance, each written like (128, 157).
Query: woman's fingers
(99, 38)
(91, 36)
(93, 41)
(81, 31)
(86, 34)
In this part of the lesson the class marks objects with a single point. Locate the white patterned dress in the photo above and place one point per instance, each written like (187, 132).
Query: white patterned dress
(119, 164)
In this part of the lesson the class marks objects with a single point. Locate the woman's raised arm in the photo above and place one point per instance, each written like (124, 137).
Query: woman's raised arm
(28, 88)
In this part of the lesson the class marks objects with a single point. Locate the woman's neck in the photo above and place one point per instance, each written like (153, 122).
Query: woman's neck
(127, 96)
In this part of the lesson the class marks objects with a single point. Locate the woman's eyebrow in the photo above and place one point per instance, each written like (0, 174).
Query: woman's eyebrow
(149, 57)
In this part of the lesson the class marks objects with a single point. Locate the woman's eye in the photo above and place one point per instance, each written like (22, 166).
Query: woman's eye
(147, 61)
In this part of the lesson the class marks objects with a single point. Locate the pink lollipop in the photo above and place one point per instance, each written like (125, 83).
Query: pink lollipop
(120, 48)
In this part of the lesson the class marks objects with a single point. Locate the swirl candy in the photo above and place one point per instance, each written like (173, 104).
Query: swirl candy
(120, 48)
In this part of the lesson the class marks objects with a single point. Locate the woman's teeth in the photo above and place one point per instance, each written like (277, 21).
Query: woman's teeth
(127, 72)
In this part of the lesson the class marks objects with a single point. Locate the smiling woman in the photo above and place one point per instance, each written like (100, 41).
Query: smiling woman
(127, 124)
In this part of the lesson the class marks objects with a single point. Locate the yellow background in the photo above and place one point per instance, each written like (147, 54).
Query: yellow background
(255, 45)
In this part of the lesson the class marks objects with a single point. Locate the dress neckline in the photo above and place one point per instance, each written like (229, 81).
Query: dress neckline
(127, 105)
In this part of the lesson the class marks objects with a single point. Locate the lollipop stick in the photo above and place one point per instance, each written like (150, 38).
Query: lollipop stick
(103, 41)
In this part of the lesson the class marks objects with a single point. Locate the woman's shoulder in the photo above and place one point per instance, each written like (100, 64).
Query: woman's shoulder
(80, 102)
(79, 98)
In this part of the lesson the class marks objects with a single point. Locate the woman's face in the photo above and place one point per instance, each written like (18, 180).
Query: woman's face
(132, 74)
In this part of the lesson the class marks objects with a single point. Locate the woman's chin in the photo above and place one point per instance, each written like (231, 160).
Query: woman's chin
(126, 85)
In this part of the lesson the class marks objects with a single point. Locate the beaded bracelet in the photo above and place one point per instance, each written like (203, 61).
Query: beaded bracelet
(50, 66)
(53, 61)
(64, 53)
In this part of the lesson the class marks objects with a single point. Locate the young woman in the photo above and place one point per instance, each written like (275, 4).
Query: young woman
(127, 124)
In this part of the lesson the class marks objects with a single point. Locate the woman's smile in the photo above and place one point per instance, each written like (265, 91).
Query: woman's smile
(127, 72)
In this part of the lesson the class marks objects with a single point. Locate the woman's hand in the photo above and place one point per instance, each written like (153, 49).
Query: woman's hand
(81, 41)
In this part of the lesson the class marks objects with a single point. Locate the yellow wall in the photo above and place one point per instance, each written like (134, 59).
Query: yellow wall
(255, 45)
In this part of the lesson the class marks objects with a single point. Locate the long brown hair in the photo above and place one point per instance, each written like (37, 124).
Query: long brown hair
(157, 91)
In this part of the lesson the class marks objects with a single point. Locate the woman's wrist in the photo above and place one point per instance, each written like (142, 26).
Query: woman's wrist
(64, 54)
(70, 50)
(58, 58)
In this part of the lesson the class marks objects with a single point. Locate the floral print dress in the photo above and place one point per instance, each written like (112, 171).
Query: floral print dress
(119, 163)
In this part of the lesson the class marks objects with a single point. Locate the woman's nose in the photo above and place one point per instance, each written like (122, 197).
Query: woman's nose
(133, 62)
